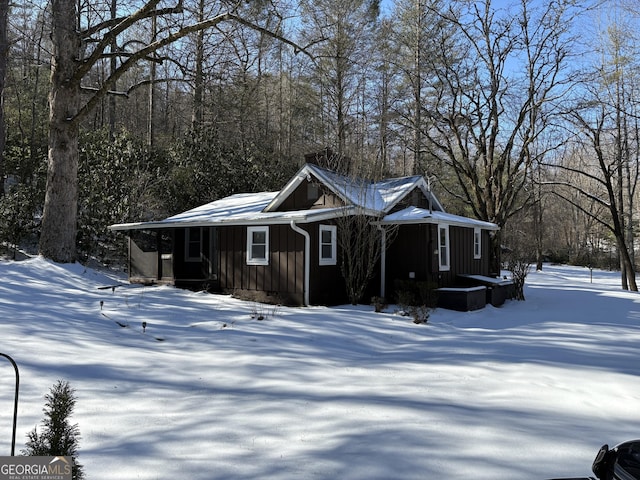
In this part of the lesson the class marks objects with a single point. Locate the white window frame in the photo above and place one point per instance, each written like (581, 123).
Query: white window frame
(251, 260)
(444, 257)
(477, 243)
(333, 260)
(187, 244)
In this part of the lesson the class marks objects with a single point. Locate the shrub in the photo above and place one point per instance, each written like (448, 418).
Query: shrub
(416, 299)
(58, 436)
(420, 313)
(519, 265)
(379, 303)
(412, 293)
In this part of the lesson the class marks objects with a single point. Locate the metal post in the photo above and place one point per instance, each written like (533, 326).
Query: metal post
(15, 402)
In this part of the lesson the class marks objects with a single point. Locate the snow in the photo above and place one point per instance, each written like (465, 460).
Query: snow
(239, 209)
(414, 214)
(262, 208)
(376, 197)
(529, 390)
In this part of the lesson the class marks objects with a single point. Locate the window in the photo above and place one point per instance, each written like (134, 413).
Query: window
(443, 247)
(258, 245)
(477, 243)
(192, 244)
(312, 191)
(328, 245)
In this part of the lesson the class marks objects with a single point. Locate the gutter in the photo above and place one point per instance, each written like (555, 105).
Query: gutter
(307, 259)
(383, 260)
(268, 219)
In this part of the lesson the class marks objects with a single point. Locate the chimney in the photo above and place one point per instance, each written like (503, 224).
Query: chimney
(326, 158)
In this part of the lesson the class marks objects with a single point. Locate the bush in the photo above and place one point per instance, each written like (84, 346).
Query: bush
(519, 265)
(58, 436)
(420, 313)
(412, 293)
(379, 303)
(416, 299)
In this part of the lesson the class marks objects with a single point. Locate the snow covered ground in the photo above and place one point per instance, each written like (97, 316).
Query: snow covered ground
(527, 391)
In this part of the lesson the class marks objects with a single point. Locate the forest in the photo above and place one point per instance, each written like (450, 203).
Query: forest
(522, 113)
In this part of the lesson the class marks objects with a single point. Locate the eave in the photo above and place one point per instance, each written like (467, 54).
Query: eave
(269, 218)
(416, 216)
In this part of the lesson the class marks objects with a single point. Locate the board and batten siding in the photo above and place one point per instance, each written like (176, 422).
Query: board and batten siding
(413, 255)
(282, 278)
(410, 256)
(310, 195)
(326, 283)
(461, 252)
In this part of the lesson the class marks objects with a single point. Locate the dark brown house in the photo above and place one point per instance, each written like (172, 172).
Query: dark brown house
(284, 244)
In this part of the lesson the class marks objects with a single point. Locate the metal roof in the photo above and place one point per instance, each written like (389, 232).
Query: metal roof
(239, 209)
(414, 215)
(374, 197)
(370, 198)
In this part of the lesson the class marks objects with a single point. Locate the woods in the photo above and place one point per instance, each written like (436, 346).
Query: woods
(519, 113)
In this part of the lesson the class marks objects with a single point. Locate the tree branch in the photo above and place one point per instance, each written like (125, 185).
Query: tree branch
(146, 51)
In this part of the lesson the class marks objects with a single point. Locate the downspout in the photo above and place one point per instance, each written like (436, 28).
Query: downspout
(307, 258)
(383, 260)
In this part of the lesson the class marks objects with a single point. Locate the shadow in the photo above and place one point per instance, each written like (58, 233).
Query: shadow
(528, 390)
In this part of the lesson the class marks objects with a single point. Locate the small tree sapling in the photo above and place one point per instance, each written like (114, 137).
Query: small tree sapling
(58, 437)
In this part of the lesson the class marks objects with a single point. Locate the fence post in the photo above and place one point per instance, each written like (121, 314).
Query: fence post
(15, 402)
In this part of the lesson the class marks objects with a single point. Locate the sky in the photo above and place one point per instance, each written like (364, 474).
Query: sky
(206, 391)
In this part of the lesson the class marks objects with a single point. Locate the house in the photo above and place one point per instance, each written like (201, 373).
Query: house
(285, 245)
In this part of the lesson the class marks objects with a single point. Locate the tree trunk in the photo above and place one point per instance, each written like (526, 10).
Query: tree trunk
(152, 92)
(58, 231)
(198, 83)
(538, 220)
(626, 267)
(495, 257)
(113, 64)
(4, 49)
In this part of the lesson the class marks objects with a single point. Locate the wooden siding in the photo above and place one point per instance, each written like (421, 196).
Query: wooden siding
(415, 249)
(326, 284)
(282, 278)
(410, 256)
(461, 252)
(299, 198)
(223, 265)
(414, 198)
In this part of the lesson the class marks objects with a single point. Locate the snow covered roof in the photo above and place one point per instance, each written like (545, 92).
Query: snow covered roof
(239, 209)
(414, 215)
(378, 197)
(375, 198)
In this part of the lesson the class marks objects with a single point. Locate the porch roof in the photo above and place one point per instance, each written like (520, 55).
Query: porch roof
(415, 215)
(239, 209)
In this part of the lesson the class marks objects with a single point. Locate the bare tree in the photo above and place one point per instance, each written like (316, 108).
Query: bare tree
(604, 188)
(419, 36)
(495, 93)
(341, 32)
(607, 143)
(76, 50)
(360, 243)
(360, 240)
(382, 92)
